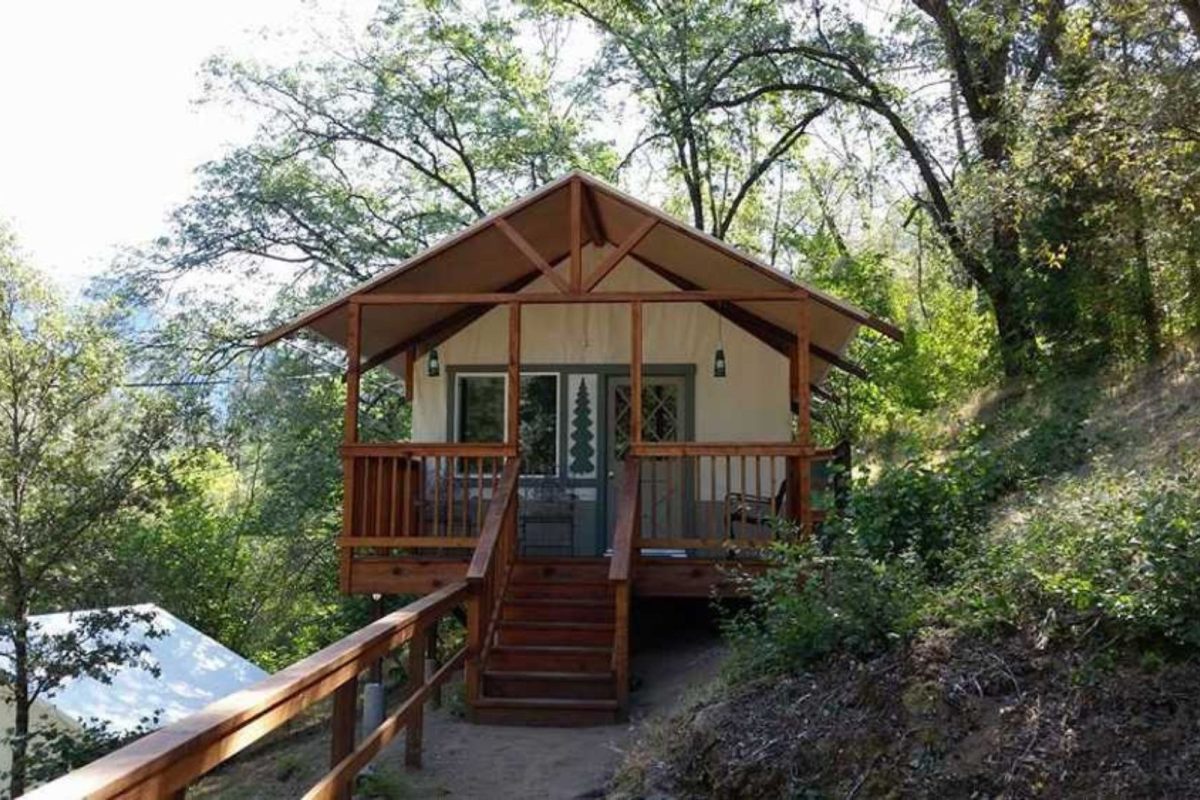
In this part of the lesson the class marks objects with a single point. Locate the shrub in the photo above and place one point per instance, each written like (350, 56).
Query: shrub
(810, 603)
(1117, 552)
(930, 509)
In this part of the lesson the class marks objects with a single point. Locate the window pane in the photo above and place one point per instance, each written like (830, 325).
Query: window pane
(539, 424)
(481, 408)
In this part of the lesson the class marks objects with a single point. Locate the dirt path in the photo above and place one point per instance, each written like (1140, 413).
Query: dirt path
(519, 763)
(464, 761)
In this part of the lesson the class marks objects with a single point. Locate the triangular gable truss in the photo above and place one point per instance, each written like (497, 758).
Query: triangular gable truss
(585, 219)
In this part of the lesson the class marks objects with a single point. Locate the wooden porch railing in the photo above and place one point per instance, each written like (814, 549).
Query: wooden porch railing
(704, 495)
(620, 573)
(488, 575)
(410, 495)
(163, 763)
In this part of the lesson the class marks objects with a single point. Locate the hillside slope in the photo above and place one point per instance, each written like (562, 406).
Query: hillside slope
(1056, 656)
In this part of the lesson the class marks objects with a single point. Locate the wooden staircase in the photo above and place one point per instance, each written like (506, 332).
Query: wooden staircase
(551, 662)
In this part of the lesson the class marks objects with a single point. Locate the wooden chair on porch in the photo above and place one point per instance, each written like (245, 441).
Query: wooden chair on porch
(758, 511)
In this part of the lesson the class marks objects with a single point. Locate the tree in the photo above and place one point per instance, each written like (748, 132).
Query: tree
(431, 121)
(72, 450)
(673, 59)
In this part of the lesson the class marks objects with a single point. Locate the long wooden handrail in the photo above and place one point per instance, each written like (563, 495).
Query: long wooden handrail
(627, 512)
(163, 763)
(681, 449)
(488, 574)
(493, 523)
(620, 573)
(466, 449)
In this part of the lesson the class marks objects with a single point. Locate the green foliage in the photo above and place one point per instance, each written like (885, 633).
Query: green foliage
(75, 456)
(810, 604)
(1116, 551)
(55, 750)
(931, 508)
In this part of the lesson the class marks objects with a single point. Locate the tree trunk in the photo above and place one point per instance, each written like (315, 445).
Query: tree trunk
(1192, 9)
(1147, 306)
(20, 690)
(1015, 329)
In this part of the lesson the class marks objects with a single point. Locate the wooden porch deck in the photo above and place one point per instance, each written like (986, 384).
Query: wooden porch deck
(654, 576)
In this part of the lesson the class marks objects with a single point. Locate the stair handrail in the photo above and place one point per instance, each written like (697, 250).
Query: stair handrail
(620, 572)
(489, 572)
(164, 762)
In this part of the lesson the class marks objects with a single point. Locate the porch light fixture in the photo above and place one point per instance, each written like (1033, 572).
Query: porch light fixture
(719, 357)
(433, 367)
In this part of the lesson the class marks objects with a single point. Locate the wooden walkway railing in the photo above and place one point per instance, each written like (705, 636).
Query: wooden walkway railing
(489, 573)
(413, 495)
(706, 495)
(620, 573)
(163, 763)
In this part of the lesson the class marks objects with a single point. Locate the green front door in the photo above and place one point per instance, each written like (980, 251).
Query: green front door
(666, 417)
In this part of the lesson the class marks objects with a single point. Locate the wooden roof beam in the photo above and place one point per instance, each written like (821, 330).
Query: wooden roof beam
(617, 256)
(591, 216)
(770, 334)
(443, 329)
(531, 254)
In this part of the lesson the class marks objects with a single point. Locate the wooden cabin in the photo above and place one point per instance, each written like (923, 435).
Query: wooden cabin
(606, 405)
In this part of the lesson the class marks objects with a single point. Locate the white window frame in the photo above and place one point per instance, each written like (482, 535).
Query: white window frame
(558, 420)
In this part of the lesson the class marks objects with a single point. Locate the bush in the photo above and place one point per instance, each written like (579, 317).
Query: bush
(1116, 552)
(930, 509)
(809, 604)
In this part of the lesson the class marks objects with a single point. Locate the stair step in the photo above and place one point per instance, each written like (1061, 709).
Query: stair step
(558, 610)
(553, 685)
(582, 590)
(535, 571)
(526, 632)
(546, 711)
(531, 658)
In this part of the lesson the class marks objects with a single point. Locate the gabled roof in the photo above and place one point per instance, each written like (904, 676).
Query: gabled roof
(482, 259)
(194, 670)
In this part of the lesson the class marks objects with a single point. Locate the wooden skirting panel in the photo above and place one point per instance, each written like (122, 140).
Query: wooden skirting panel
(404, 575)
(652, 577)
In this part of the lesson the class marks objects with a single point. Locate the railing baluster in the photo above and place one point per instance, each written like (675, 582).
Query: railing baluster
(479, 499)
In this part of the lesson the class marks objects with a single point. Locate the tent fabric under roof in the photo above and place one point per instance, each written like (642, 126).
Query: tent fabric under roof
(481, 259)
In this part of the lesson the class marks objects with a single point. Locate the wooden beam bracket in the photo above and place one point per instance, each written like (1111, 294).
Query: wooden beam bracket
(532, 255)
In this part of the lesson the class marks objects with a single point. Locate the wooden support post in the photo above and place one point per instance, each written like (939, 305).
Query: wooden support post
(513, 423)
(345, 713)
(473, 668)
(431, 663)
(350, 436)
(635, 373)
(801, 380)
(415, 730)
(576, 232)
(410, 363)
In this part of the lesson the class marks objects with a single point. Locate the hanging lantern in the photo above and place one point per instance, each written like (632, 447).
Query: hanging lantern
(433, 367)
(719, 363)
(719, 357)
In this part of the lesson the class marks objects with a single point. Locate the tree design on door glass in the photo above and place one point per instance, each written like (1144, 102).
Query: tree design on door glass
(583, 427)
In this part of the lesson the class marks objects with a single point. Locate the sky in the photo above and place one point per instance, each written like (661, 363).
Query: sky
(100, 132)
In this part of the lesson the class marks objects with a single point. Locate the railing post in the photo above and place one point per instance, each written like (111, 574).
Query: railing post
(416, 679)
(473, 670)
(431, 662)
(345, 712)
(350, 436)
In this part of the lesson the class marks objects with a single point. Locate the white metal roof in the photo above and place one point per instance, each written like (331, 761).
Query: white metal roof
(194, 670)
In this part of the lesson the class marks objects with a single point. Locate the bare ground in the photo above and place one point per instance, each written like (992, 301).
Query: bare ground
(945, 718)
(468, 761)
